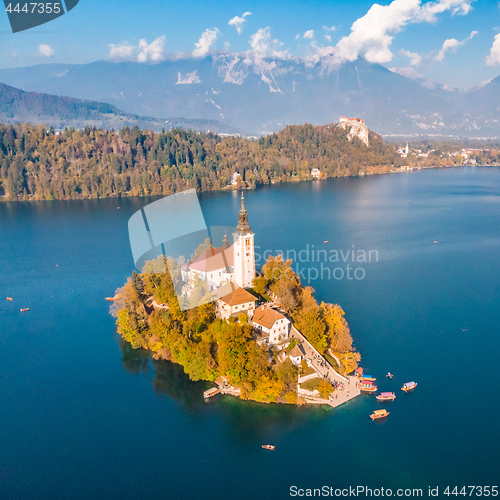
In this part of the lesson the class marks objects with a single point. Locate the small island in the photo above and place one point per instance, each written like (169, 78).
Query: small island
(266, 340)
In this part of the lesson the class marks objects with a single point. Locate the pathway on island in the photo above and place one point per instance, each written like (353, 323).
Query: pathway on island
(326, 371)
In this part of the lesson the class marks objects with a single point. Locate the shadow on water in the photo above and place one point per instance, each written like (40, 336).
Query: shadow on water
(248, 419)
(168, 378)
(134, 360)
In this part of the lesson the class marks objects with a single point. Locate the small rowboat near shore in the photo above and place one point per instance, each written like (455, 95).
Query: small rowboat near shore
(110, 299)
(409, 386)
(268, 446)
(379, 414)
(25, 309)
(386, 396)
(9, 298)
(367, 378)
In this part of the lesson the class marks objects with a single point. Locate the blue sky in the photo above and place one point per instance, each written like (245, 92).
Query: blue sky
(453, 42)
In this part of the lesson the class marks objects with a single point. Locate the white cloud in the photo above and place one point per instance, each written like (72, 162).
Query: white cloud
(188, 79)
(326, 28)
(452, 44)
(372, 34)
(494, 55)
(227, 45)
(45, 50)
(309, 34)
(436, 56)
(263, 47)
(238, 22)
(415, 58)
(430, 9)
(297, 37)
(328, 37)
(120, 51)
(205, 42)
(152, 51)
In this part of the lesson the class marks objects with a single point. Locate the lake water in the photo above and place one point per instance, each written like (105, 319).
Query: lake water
(84, 416)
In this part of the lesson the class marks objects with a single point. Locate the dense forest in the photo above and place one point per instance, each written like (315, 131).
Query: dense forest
(208, 347)
(41, 164)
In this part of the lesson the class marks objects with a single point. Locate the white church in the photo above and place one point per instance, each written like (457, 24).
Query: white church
(229, 263)
(228, 270)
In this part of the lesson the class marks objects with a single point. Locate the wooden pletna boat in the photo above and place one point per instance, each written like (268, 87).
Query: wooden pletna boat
(9, 298)
(367, 378)
(268, 446)
(366, 386)
(326, 241)
(409, 386)
(379, 414)
(25, 309)
(110, 299)
(386, 396)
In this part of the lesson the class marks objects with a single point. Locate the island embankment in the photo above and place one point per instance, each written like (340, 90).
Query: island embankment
(229, 353)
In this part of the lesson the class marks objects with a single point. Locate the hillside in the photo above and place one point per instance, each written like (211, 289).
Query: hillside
(36, 164)
(264, 95)
(17, 106)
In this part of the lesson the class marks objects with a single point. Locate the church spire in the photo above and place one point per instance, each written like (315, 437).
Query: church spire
(243, 226)
(225, 241)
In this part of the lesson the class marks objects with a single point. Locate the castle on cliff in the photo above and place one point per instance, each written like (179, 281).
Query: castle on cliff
(355, 128)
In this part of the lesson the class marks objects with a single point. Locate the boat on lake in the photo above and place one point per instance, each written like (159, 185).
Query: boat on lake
(386, 396)
(110, 299)
(326, 241)
(390, 375)
(409, 386)
(25, 309)
(367, 386)
(379, 414)
(367, 378)
(268, 446)
(9, 298)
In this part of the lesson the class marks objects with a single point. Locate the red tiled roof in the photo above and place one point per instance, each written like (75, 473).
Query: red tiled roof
(238, 296)
(266, 317)
(213, 260)
(296, 352)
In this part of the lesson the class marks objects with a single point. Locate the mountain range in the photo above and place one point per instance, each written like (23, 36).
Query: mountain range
(262, 95)
(18, 106)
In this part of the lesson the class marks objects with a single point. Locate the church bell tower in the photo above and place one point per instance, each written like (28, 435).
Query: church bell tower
(244, 250)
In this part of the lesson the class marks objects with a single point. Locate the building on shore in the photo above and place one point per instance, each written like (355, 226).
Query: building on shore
(272, 327)
(316, 173)
(297, 354)
(237, 302)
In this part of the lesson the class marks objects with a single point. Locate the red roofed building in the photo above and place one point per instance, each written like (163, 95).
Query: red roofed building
(236, 302)
(272, 326)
